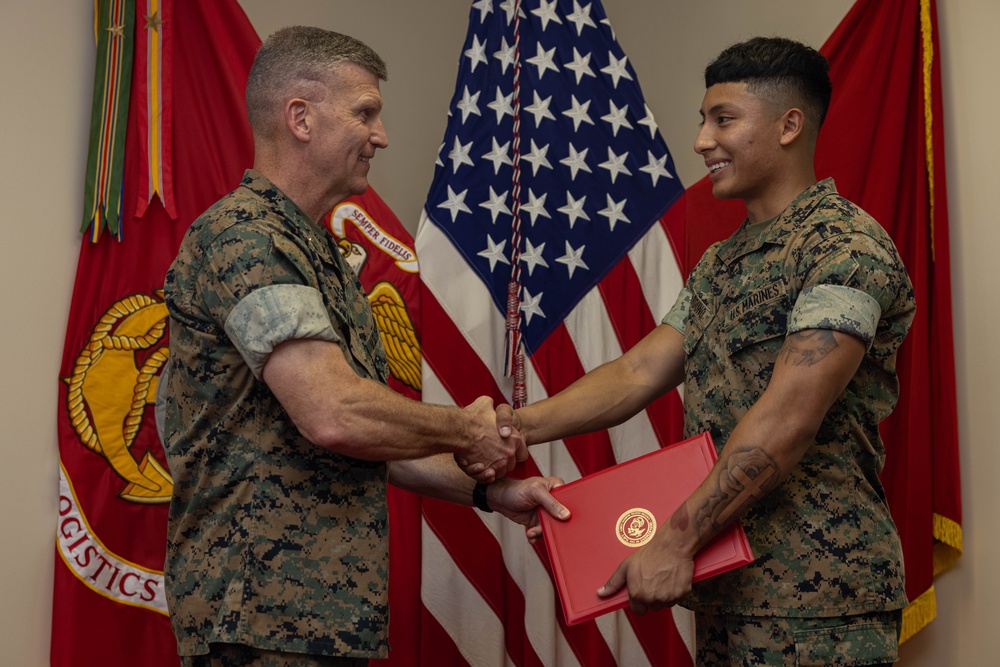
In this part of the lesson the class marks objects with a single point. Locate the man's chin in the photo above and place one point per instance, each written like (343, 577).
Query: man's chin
(721, 191)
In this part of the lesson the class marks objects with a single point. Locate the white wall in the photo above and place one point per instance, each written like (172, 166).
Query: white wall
(46, 48)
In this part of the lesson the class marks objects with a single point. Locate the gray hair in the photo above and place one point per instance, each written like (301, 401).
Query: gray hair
(300, 54)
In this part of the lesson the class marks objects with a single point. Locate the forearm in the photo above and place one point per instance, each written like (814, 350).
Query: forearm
(336, 409)
(811, 372)
(749, 467)
(516, 499)
(375, 423)
(609, 394)
(434, 477)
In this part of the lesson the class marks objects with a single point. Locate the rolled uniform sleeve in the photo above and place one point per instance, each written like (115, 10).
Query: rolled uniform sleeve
(263, 291)
(851, 282)
(274, 314)
(839, 308)
(678, 313)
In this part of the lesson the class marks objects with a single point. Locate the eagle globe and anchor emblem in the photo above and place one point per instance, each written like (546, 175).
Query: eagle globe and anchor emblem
(115, 376)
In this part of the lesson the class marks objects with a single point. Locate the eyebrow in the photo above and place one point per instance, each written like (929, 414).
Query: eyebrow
(715, 109)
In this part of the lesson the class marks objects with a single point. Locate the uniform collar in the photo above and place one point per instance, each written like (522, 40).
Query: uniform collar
(263, 187)
(787, 222)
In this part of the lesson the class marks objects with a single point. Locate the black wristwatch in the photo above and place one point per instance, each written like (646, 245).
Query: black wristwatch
(479, 497)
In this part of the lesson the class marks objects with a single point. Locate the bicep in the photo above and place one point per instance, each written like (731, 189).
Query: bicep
(812, 370)
(307, 376)
(657, 361)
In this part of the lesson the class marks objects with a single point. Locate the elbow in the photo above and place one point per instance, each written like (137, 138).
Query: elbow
(334, 436)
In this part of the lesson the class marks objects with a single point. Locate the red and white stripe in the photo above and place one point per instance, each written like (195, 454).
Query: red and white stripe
(487, 596)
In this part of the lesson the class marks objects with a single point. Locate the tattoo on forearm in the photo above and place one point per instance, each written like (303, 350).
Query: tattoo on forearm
(679, 520)
(806, 348)
(746, 476)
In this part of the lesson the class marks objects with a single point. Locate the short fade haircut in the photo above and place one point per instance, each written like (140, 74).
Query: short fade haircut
(777, 69)
(296, 54)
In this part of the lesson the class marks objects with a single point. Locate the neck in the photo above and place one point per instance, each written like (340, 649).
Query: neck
(296, 183)
(779, 195)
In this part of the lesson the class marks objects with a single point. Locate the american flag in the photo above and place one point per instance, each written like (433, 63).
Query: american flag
(552, 176)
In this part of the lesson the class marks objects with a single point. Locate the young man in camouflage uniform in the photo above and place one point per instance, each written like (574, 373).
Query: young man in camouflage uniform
(785, 338)
(278, 426)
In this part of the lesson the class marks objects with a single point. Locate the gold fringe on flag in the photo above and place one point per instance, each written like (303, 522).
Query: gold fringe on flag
(947, 549)
(947, 543)
(927, 35)
(918, 613)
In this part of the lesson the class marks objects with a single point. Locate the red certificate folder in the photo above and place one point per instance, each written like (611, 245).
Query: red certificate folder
(618, 509)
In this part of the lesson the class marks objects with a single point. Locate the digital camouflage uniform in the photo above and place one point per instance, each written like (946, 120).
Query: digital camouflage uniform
(824, 542)
(273, 542)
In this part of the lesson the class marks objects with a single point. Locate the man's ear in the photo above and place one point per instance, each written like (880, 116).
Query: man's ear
(793, 123)
(298, 119)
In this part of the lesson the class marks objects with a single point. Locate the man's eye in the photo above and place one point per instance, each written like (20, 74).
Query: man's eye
(724, 119)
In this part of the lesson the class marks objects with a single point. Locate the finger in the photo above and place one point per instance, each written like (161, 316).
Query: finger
(501, 468)
(522, 452)
(548, 502)
(533, 533)
(614, 583)
(505, 420)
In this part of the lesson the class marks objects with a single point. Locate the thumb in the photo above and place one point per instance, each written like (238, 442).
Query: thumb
(615, 583)
(549, 503)
(505, 420)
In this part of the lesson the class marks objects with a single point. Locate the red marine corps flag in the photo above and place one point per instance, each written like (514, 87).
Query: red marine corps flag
(147, 179)
(158, 158)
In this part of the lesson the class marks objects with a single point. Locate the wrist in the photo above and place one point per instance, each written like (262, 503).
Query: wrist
(479, 498)
(678, 536)
(524, 425)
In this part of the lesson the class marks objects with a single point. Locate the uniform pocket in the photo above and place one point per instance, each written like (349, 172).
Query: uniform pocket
(871, 643)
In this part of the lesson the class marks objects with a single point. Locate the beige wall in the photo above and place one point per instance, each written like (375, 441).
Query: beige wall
(46, 48)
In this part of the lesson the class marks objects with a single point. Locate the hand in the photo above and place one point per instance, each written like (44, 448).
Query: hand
(508, 425)
(518, 500)
(490, 454)
(508, 421)
(657, 576)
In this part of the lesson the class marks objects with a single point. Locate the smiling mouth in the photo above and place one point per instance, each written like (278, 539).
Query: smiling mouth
(717, 166)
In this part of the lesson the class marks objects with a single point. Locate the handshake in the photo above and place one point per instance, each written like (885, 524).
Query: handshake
(495, 444)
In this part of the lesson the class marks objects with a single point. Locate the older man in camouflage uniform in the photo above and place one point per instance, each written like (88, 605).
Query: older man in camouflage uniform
(278, 425)
(785, 338)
